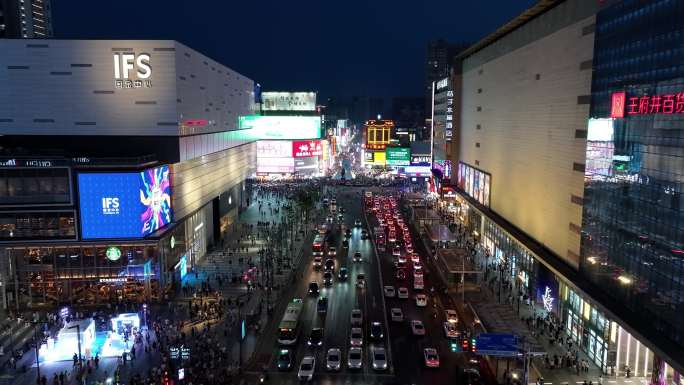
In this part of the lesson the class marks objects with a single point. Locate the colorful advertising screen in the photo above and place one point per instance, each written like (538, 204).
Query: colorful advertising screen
(474, 182)
(282, 127)
(306, 148)
(274, 148)
(124, 204)
(398, 156)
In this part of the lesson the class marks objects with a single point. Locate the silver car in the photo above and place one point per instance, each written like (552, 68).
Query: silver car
(379, 359)
(355, 358)
(333, 359)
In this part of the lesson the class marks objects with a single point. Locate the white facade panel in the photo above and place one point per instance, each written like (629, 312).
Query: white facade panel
(196, 182)
(526, 105)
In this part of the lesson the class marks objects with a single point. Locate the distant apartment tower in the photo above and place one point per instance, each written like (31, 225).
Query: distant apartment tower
(439, 59)
(28, 19)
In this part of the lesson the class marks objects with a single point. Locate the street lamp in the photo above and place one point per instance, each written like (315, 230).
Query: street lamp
(78, 338)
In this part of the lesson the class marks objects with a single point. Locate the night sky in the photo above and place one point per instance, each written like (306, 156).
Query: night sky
(339, 48)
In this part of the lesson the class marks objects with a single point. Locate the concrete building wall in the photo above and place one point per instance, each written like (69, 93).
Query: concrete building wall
(197, 181)
(69, 87)
(524, 118)
(211, 92)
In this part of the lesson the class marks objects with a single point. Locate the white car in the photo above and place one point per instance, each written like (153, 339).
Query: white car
(389, 291)
(306, 368)
(401, 259)
(355, 358)
(356, 317)
(417, 327)
(403, 293)
(417, 266)
(356, 337)
(431, 357)
(333, 359)
(451, 315)
(415, 257)
(450, 330)
(332, 251)
(379, 359)
(421, 300)
(396, 315)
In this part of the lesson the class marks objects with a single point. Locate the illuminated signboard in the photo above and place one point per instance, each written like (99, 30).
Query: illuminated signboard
(474, 182)
(398, 156)
(421, 160)
(124, 204)
(128, 64)
(443, 83)
(418, 170)
(379, 158)
(667, 104)
(378, 133)
(306, 148)
(282, 127)
(288, 101)
(274, 148)
(275, 165)
(448, 130)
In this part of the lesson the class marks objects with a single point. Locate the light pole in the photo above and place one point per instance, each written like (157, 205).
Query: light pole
(78, 337)
(35, 335)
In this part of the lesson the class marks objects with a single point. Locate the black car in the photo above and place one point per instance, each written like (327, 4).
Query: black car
(316, 337)
(345, 244)
(358, 257)
(322, 306)
(347, 233)
(313, 288)
(376, 331)
(327, 278)
(285, 359)
(329, 265)
(364, 234)
(343, 274)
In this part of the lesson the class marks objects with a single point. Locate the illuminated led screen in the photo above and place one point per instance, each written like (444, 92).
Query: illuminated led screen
(124, 204)
(282, 127)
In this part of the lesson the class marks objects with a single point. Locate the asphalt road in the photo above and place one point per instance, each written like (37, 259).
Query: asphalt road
(405, 351)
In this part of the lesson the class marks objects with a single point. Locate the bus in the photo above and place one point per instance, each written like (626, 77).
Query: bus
(288, 330)
(318, 245)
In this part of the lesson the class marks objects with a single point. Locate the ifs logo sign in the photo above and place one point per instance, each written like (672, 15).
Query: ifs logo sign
(110, 206)
(128, 64)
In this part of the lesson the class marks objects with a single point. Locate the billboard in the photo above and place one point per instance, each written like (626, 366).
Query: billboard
(474, 182)
(124, 204)
(306, 148)
(274, 148)
(398, 156)
(306, 165)
(288, 101)
(275, 165)
(282, 127)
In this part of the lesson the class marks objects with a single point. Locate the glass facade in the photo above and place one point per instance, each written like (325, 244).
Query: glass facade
(633, 218)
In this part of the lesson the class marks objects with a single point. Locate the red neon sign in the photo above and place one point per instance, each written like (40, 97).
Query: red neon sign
(306, 148)
(617, 105)
(667, 104)
(196, 122)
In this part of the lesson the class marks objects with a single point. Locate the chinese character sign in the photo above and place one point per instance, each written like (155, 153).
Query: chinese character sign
(448, 133)
(667, 104)
(306, 148)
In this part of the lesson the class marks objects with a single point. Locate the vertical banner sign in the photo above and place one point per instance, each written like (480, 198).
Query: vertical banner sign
(448, 132)
(617, 105)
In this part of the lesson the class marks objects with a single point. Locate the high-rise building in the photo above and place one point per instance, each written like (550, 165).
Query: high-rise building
(570, 172)
(25, 19)
(633, 218)
(440, 55)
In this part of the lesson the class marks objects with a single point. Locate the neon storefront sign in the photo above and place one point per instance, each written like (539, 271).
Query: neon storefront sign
(668, 104)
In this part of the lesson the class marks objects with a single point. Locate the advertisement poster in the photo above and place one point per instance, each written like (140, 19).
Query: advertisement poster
(398, 156)
(275, 165)
(274, 148)
(288, 101)
(306, 148)
(124, 204)
(282, 127)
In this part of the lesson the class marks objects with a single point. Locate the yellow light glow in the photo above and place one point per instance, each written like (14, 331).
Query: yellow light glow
(592, 260)
(624, 280)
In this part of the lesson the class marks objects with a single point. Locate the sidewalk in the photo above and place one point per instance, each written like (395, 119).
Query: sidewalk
(503, 317)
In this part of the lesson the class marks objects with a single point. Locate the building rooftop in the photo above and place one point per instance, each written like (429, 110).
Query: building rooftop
(540, 7)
